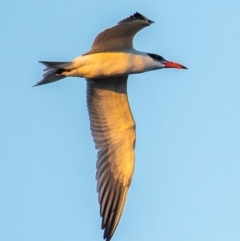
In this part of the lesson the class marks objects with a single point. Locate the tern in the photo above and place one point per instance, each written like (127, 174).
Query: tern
(106, 68)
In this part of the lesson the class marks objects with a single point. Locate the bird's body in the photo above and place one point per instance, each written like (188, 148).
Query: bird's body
(106, 68)
(100, 65)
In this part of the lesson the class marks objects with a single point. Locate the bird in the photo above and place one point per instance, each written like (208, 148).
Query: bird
(106, 67)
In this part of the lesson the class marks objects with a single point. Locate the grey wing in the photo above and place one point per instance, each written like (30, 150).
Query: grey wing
(120, 36)
(113, 131)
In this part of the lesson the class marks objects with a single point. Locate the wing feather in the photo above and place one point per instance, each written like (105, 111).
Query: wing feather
(120, 36)
(113, 131)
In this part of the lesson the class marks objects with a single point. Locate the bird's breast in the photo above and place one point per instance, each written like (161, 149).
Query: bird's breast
(102, 65)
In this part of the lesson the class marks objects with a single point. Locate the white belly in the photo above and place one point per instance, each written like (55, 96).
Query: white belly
(101, 65)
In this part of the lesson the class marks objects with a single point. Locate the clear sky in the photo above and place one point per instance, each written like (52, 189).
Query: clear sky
(186, 184)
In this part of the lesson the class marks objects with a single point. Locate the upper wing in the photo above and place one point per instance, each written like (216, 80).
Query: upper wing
(113, 131)
(120, 36)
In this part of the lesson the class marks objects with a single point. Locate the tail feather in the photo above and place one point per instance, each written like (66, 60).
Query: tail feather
(52, 71)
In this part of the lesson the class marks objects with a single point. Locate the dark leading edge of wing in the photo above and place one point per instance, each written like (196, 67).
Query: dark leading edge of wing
(113, 131)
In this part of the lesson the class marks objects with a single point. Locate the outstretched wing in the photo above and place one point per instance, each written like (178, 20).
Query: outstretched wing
(120, 36)
(113, 131)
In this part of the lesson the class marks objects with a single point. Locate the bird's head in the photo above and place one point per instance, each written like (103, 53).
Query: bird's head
(163, 63)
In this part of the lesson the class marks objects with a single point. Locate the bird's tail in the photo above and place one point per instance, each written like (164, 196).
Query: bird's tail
(53, 71)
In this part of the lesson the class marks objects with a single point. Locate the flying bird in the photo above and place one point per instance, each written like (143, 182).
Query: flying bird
(106, 68)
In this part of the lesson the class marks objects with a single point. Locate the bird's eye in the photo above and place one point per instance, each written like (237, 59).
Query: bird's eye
(156, 57)
(160, 58)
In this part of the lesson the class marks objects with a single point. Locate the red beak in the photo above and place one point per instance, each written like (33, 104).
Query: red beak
(169, 64)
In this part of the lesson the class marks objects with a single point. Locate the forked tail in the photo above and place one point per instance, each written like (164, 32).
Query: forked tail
(52, 72)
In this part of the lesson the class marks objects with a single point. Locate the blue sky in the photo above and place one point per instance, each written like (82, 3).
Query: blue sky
(186, 180)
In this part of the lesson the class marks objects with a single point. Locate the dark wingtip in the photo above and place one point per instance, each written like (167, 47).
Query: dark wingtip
(136, 16)
(139, 16)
